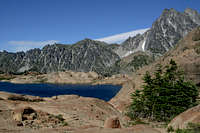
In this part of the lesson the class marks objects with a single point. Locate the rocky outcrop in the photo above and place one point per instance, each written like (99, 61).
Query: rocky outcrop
(28, 117)
(84, 56)
(190, 116)
(74, 110)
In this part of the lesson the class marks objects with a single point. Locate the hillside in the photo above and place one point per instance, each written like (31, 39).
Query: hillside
(186, 54)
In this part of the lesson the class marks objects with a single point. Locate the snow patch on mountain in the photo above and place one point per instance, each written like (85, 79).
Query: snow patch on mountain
(143, 45)
(119, 38)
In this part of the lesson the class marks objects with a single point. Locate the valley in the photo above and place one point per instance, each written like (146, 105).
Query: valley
(174, 35)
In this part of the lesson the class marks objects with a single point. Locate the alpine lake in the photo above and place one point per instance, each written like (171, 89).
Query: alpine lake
(104, 92)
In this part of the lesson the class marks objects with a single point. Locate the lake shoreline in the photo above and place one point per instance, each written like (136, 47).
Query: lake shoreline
(81, 78)
(67, 77)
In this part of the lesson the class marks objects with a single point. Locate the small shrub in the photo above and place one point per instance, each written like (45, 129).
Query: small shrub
(23, 98)
(197, 48)
(140, 61)
(185, 48)
(170, 129)
(191, 128)
(6, 77)
(182, 131)
(196, 36)
(138, 121)
(60, 117)
(64, 123)
(194, 126)
(17, 98)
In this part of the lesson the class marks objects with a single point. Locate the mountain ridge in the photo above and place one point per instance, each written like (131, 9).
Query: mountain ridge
(86, 55)
(92, 55)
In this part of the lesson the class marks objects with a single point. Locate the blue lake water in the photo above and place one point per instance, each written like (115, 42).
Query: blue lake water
(104, 92)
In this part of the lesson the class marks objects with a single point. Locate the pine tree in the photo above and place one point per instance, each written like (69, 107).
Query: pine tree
(164, 95)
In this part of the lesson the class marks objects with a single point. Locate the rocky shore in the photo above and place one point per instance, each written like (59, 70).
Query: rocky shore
(65, 113)
(66, 77)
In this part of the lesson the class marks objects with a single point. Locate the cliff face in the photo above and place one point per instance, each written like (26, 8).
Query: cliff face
(169, 28)
(85, 56)
(165, 32)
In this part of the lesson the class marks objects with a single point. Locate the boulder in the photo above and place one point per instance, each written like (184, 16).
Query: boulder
(24, 113)
(112, 122)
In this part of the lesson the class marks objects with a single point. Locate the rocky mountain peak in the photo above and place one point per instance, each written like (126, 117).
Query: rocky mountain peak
(165, 32)
(171, 10)
(169, 13)
(193, 14)
(88, 43)
(190, 11)
(86, 40)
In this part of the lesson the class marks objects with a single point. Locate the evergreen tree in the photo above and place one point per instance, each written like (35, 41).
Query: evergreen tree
(164, 95)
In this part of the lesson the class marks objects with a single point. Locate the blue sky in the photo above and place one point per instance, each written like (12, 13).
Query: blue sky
(33, 23)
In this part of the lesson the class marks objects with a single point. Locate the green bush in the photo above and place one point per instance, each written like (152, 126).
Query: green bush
(196, 36)
(164, 95)
(191, 128)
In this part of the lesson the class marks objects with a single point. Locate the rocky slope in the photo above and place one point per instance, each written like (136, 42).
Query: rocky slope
(165, 32)
(181, 121)
(133, 62)
(84, 56)
(186, 54)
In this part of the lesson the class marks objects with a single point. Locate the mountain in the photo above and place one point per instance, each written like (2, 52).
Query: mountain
(89, 55)
(187, 56)
(119, 38)
(86, 55)
(165, 32)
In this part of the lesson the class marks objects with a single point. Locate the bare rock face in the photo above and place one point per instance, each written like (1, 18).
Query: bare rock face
(112, 122)
(190, 116)
(169, 28)
(164, 34)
